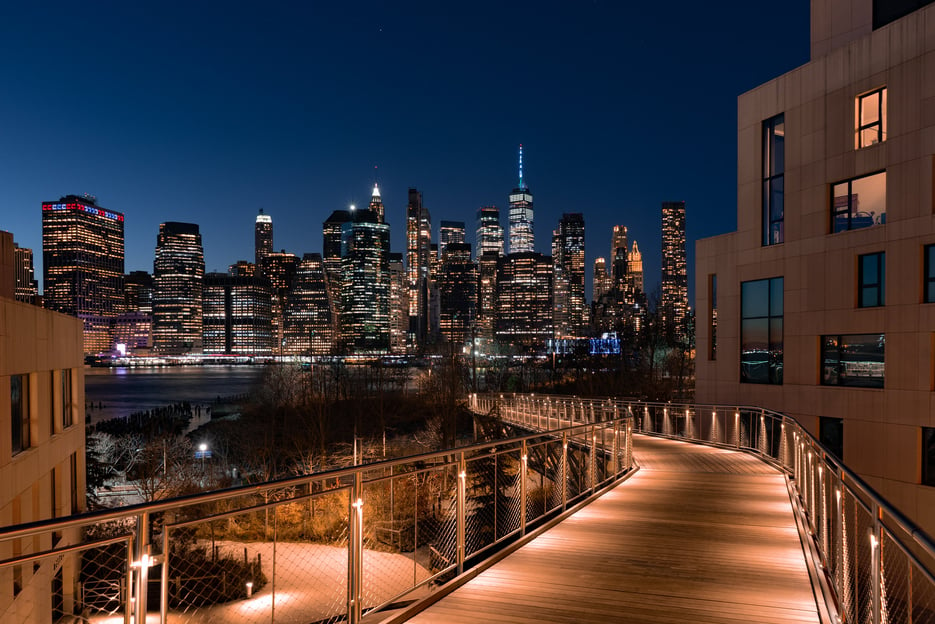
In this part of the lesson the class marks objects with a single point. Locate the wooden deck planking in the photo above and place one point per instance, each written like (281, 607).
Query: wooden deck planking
(697, 535)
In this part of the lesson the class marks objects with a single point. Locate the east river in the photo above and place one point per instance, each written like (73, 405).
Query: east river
(123, 391)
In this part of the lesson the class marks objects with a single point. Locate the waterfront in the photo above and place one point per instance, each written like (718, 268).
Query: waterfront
(123, 391)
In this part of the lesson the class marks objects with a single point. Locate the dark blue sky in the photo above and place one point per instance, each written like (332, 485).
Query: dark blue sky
(205, 112)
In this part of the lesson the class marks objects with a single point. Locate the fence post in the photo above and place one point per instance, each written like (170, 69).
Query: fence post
(164, 580)
(142, 564)
(876, 545)
(592, 458)
(564, 470)
(128, 582)
(522, 489)
(462, 495)
(355, 550)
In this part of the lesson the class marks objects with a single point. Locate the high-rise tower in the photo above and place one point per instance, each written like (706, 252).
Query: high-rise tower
(521, 215)
(418, 266)
(619, 258)
(568, 261)
(376, 204)
(489, 231)
(674, 272)
(178, 276)
(365, 284)
(263, 236)
(83, 257)
(450, 232)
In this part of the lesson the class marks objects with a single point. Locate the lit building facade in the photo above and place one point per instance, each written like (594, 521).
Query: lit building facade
(178, 275)
(42, 457)
(619, 261)
(365, 285)
(243, 268)
(376, 204)
(449, 232)
(635, 270)
(418, 268)
(522, 239)
(821, 304)
(309, 323)
(674, 299)
(489, 235)
(570, 312)
(27, 288)
(279, 267)
(487, 263)
(457, 293)
(262, 237)
(236, 315)
(399, 304)
(83, 259)
(331, 257)
(600, 280)
(524, 301)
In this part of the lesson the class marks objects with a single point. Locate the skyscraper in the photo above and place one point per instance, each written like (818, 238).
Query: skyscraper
(674, 272)
(26, 287)
(489, 231)
(619, 257)
(178, 275)
(524, 300)
(418, 259)
(134, 327)
(568, 260)
(399, 304)
(376, 204)
(83, 259)
(279, 267)
(449, 232)
(365, 284)
(263, 237)
(600, 284)
(487, 293)
(236, 315)
(457, 292)
(331, 258)
(635, 270)
(521, 215)
(308, 322)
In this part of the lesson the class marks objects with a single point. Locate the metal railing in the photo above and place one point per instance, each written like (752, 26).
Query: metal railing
(329, 546)
(877, 563)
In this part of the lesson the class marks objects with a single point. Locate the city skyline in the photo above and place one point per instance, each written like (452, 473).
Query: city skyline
(171, 130)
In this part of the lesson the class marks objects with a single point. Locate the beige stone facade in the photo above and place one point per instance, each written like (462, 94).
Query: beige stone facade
(42, 459)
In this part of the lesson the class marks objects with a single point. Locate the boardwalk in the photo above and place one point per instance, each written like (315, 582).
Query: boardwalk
(697, 535)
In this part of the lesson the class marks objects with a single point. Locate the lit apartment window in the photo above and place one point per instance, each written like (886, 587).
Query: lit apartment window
(928, 275)
(761, 331)
(19, 412)
(831, 435)
(854, 360)
(774, 166)
(871, 280)
(858, 202)
(871, 118)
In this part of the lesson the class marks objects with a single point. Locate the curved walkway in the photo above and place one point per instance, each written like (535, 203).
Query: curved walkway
(698, 534)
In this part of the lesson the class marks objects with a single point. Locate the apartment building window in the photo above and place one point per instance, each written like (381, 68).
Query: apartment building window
(858, 202)
(831, 435)
(774, 166)
(19, 412)
(928, 274)
(712, 312)
(73, 483)
(68, 405)
(761, 303)
(871, 118)
(871, 280)
(928, 456)
(855, 360)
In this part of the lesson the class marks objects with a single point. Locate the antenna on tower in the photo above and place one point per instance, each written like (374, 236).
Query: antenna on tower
(521, 166)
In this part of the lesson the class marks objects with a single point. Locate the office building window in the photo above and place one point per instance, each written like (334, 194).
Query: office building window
(712, 311)
(859, 202)
(871, 118)
(761, 331)
(854, 360)
(68, 404)
(871, 280)
(19, 412)
(928, 274)
(831, 435)
(774, 166)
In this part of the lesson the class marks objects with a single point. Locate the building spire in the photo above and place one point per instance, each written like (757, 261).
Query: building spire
(521, 185)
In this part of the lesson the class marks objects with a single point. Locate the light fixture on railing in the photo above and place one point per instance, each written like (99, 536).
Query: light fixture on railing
(249, 589)
(873, 542)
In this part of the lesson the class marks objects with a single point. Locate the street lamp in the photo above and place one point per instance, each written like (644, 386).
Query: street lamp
(203, 450)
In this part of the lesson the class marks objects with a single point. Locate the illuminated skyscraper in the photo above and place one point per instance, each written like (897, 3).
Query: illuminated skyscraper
(263, 237)
(26, 287)
(309, 326)
(399, 304)
(601, 280)
(365, 284)
(568, 260)
(82, 252)
(489, 231)
(134, 327)
(178, 280)
(331, 257)
(635, 269)
(457, 292)
(279, 267)
(674, 300)
(418, 267)
(449, 232)
(487, 293)
(524, 300)
(521, 215)
(376, 204)
(619, 257)
(242, 268)
(138, 292)
(236, 315)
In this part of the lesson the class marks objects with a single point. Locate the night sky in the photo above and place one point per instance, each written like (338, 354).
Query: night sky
(206, 112)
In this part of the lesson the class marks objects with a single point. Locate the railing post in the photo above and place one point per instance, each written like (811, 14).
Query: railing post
(142, 565)
(592, 458)
(355, 568)
(164, 578)
(616, 448)
(564, 470)
(876, 545)
(838, 554)
(128, 613)
(524, 461)
(462, 496)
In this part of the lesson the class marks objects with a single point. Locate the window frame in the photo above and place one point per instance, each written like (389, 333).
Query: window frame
(774, 374)
(19, 423)
(848, 381)
(879, 124)
(772, 176)
(66, 385)
(879, 285)
(928, 273)
(849, 209)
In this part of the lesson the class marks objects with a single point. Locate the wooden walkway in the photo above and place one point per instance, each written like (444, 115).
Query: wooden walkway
(697, 535)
